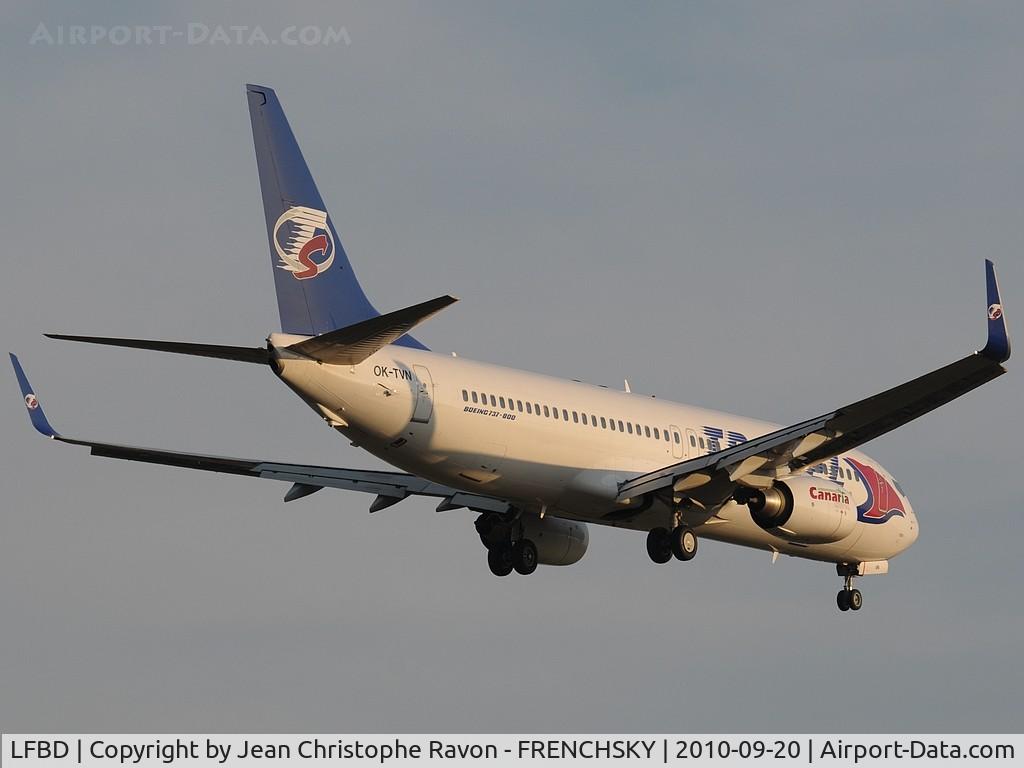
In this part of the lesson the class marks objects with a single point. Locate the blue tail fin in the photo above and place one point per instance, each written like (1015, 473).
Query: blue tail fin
(317, 291)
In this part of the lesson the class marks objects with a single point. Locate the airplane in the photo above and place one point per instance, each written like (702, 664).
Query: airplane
(539, 458)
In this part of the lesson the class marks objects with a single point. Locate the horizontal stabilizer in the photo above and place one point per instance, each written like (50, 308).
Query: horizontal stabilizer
(244, 354)
(354, 343)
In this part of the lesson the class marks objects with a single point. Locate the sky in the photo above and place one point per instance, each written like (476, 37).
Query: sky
(770, 209)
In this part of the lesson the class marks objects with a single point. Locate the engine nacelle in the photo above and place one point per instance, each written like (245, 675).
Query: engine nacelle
(558, 542)
(804, 509)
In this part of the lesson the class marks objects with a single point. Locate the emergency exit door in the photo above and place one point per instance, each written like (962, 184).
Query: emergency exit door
(677, 441)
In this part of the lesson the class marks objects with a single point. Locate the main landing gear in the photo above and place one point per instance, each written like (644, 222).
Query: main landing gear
(663, 544)
(520, 557)
(503, 554)
(848, 599)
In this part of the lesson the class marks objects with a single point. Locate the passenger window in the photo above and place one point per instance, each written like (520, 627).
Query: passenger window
(575, 418)
(604, 424)
(529, 408)
(492, 401)
(638, 430)
(547, 413)
(565, 414)
(620, 426)
(612, 422)
(675, 436)
(630, 427)
(693, 441)
(465, 396)
(657, 434)
(536, 408)
(665, 433)
(502, 401)
(519, 405)
(474, 397)
(593, 419)
(554, 412)
(647, 431)
(702, 443)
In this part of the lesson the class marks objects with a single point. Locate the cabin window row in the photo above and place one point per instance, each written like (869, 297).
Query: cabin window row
(578, 417)
(564, 414)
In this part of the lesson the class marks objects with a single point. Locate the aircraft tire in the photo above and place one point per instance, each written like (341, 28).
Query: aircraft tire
(684, 543)
(499, 560)
(856, 600)
(843, 600)
(524, 557)
(659, 547)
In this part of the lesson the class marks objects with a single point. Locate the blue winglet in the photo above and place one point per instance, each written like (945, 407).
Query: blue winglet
(998, 346)
(35, 410)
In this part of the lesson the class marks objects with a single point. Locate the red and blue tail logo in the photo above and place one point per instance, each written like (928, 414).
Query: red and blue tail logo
(883, 502)
(303, 242)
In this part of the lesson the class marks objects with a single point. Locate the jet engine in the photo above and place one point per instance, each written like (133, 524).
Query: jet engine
(558, 542)
(804, 509)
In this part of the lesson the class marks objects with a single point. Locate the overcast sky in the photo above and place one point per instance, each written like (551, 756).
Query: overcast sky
(772, 209)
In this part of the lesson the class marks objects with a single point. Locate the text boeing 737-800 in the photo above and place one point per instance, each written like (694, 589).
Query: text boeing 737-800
(538, 457)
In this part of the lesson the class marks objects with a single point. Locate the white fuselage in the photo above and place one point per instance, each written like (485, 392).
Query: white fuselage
(559, 446)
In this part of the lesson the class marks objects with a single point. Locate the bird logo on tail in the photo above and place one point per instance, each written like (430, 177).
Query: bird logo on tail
(300, 234)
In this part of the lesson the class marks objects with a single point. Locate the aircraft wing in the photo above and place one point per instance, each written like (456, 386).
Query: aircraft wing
(389, 487)
(796, 447)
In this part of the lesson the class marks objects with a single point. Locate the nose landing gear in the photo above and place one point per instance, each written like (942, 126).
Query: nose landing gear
(848, 599)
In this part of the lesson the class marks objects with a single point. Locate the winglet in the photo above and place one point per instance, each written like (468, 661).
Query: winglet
(35, 409)
(998, 346)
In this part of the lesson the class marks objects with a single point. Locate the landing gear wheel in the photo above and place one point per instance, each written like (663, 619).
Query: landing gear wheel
(855, 599)
(659, 545)
(499, 560)
(524, 557)
(849, 599)
(843, 600)
(684, 543)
